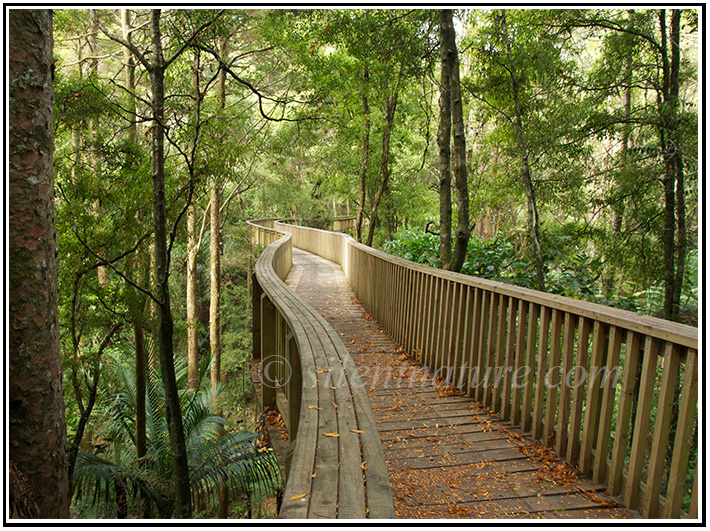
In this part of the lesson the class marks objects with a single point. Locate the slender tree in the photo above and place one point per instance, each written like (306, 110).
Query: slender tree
(446, 29)
(156, 64)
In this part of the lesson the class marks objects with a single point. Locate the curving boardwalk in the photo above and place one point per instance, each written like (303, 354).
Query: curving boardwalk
(446, 456)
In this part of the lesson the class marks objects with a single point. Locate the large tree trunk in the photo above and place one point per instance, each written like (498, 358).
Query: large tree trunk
(365, 156)
(37, 429)
(390, 108)
(181, 475)
(532, 213)
(463, 231)
(444, 140)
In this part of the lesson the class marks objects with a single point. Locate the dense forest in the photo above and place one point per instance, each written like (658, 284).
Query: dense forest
(552, 149)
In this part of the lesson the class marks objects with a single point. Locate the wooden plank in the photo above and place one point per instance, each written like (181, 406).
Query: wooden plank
(460, 337)
(482, 350)
(444, 331)
(565, 391)
(607, 406)
(506, 398)
(528, 390)
(683, 437)
(542, 367)
(693, 510)
(490, 350)
(664, 412)
(593, 401)
(548, 431)
(519, 361)
(499, 363)
(575, 419)
(643, 413)
(464, 359)
(435, 322)
(473, 353)
(428, 319)
(409, 310)
(623, 416)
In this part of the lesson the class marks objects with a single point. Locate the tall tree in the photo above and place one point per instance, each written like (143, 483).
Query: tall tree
(446, 29)
(452, 114)
(37, 428)
(156, 65)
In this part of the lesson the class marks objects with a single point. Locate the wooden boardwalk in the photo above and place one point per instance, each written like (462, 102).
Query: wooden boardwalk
(446, 456)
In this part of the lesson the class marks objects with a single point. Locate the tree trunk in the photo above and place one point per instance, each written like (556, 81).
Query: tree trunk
(216, 280)
(532, 213)
(390, 108)
(444, 140)
(463, 232)
(365, 156)
(193, 357)
(682, 243)
(37, 442)
(673, 182)
(137, 310)
(181, 475)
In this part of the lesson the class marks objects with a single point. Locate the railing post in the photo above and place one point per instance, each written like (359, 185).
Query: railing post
(256, 293)
(268, 349)
(293, 386)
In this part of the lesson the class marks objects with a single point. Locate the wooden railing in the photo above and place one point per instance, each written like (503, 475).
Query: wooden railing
(335, 467)
(613, 392)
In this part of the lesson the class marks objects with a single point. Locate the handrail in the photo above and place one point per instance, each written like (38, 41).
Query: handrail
(608, 388)
(325, 475)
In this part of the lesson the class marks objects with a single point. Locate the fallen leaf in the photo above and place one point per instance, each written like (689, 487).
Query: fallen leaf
(357, 431)
(313, 475)
(298, 497)
(335, 405)
(331, 435)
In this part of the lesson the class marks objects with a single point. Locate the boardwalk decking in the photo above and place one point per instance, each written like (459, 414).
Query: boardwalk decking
(446, 456)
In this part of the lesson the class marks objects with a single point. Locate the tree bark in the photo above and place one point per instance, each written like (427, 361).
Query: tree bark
(532, 213)
(365, 155)
(181, 475)
(37, 445)
(444, 139)
(193, 356)
(463, 231)
(674, 251)
(215, 284)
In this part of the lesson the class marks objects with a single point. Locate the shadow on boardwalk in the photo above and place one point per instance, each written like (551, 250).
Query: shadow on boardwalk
(447, 457)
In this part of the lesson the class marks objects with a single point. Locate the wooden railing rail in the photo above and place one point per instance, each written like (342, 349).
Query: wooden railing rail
(614, 392)
(325, 474)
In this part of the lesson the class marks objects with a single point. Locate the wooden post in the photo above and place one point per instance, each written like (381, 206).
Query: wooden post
(268, 349)
(643, 413)
(683, 440)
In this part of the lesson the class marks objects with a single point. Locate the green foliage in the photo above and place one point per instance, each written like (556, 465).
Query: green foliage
(218, 458)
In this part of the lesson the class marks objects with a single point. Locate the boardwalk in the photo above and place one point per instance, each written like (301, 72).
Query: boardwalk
(446, 456)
